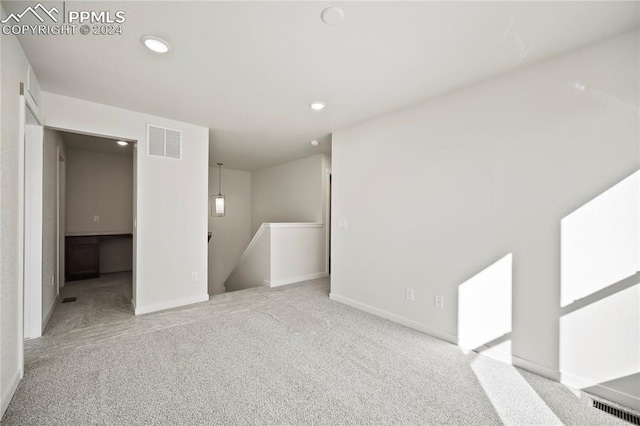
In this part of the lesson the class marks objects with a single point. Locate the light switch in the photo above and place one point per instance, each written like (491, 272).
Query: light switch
(342, 223)
(96, 218)
(409, 294)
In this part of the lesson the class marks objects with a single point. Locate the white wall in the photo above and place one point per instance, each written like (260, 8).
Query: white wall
(439, 192)
(14, 67)
(231, 233)
(171, 200)
(280, 254)
(99, 183)
(51, 142)
(289, 192)
(297, 253)
(254, 267)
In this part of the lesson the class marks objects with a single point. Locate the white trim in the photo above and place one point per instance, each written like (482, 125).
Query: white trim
(525, 364)
(61, 172)
(21, 224)
(327, 218)
(31, 104)
(133, 306)
(616, 396)
(588, 386)
(58, 214)
(32, 248)
(294, 225)
(395, 318)
(50, 312)
(170, 304)
(538, 369)
(33, 86)
(11, 390)
(295, 279)
(583, 385)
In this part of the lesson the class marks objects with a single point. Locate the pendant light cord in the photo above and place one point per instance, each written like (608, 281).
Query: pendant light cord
(219, 178)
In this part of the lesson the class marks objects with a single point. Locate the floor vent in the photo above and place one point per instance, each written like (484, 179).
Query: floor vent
(69, 299)
(621, 414)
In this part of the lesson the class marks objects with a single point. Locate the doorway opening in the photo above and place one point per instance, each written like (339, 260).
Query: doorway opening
(95, 210)
(78, 231)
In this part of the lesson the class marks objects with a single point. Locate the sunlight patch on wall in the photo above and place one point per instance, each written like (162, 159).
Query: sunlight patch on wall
(600, 342)
(484, 305)
(599, 241)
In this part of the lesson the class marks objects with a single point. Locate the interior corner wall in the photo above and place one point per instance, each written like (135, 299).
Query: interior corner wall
(100, 183)
(14, 67)
(232, 232)
(436, 193)
(289, 192)
(171, 200)
(51, 142)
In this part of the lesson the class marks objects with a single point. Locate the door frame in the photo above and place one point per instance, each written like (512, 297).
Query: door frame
(327, 216)
(60, 218)
(30, 220)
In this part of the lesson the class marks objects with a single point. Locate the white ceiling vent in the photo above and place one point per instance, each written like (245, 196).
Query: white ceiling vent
(163, 142)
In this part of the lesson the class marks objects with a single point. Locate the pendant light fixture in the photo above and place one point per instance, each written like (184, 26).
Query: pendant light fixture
(217, 208)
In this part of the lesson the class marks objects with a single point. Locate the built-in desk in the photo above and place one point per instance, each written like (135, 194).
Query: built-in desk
(82, 254)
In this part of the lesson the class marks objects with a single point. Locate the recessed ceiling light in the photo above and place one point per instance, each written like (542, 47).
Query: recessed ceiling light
(332, 16)
(156, 44)
(314, 143)
(579, 86)
(317, 106)
(123, 143)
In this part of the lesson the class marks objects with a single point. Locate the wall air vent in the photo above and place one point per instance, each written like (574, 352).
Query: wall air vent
(634, 419)
(163, 142)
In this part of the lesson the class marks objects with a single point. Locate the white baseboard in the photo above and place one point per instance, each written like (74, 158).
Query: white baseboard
(139, 310)
(615, 396)
(522, 363)
(11, 389)
(538, 369)
(50, 313)
(550, 373)
(395, 318)
(599, 390)
(277, 283)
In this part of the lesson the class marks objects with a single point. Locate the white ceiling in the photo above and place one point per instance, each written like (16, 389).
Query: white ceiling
(248, 70)
(95, 144)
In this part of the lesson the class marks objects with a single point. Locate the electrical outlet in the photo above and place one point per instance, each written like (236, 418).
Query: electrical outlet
(409, 294)
(438, 302)
(96, 218)
(194, 276)
(343, 223)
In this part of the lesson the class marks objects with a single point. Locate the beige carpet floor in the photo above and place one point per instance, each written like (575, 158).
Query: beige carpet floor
(285, 356)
